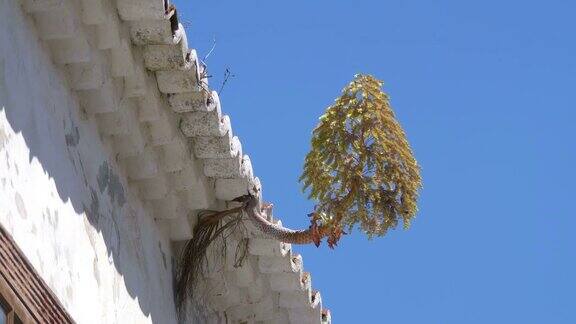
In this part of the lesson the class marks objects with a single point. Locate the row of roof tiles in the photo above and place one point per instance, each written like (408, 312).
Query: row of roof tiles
(129, 63)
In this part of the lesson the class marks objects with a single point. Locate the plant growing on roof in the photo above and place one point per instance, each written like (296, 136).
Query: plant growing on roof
(360, 170)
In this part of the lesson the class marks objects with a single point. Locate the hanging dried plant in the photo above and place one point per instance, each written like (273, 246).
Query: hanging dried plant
(211, 227)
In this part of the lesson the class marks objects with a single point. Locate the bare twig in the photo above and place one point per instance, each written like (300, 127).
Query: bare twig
(211, 50)
(227, 75)
(187, 23)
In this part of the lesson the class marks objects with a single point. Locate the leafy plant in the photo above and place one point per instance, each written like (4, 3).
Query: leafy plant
(360, 169)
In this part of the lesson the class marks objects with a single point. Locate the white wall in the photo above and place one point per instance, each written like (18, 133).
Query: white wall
(64, 201)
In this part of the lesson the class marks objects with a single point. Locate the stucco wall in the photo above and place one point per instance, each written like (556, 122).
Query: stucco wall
(65, 202)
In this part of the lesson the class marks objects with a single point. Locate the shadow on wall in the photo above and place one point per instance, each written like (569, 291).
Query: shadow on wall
(39, 107)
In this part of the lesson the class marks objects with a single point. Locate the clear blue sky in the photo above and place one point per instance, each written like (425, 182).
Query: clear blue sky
(486, 92)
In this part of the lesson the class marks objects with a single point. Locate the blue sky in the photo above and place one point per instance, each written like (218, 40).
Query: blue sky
(485, 91)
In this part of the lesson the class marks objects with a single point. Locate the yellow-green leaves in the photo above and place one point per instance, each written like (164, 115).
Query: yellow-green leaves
(361, 169)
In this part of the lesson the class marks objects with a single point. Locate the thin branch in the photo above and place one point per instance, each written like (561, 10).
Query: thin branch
(212, 49)
(227, 75)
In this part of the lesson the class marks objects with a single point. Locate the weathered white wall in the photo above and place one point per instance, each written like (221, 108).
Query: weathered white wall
(63, 199)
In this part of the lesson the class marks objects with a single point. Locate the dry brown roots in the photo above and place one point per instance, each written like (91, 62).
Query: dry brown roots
(213, 226)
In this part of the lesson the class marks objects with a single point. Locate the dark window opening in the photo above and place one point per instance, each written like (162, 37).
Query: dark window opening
(24, 296)
(2, 315)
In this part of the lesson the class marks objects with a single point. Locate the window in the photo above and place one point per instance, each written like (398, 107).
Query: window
(10, 310)
(2, 315)
(24, 296)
